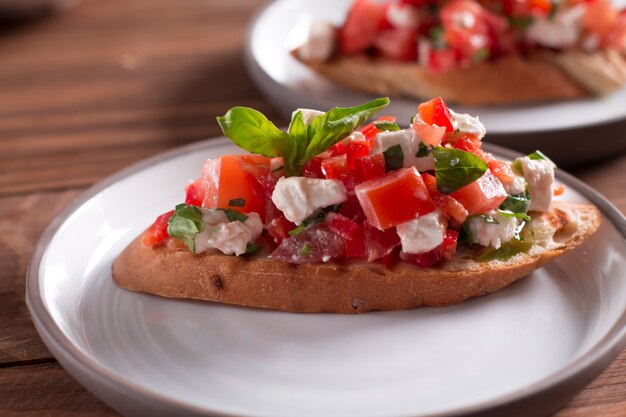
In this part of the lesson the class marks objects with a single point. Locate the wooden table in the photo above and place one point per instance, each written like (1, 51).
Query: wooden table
(86, 93)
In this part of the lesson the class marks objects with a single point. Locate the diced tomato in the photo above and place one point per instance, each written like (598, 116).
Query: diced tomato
(361, 26)
(389, 260)
(194, 193)
(471, 143)
(526, 8)
(399, 44)
(369, 167)
(600, 17)
(313, 245)
(436, 256)
(502, 171)
(352, 233)
(559, 189)
(370, 130)
(432, 135)
(353, 147)
(157, 232)
(441, 59)
(396, 198)
(233, 177)
(351, 208)
(431, 184)
(435, 112)
(336, 168)
(379, 243)
(482, 195)
(451, 208)
(279, 228)
(313, 168)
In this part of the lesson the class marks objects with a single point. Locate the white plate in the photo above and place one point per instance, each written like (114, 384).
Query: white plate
(526, 349)
(283, 25)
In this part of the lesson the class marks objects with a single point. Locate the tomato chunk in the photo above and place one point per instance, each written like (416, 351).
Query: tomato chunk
(379, 243)
(233, 177)
(279, 228)
(436, 256)
(157, 232)
(370, 167)
(361, 26)
(435, 112)
(352, 233)
(396, 198)
(482, 195)
(336, 168)
(313, 245)
(194, 193)
(399, 44)
(352, 148)
(370, 130)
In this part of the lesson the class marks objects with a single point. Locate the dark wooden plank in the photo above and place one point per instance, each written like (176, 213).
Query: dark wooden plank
(46, 390)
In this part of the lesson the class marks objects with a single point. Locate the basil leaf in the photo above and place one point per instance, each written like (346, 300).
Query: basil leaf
(394, 157)
(185, 224)
(318, 217)
(506, 251)
(516, 203)
(299, 132)
(540, 155)
(487, 218)
(480, 55)
(556, 4)
(436, 37)
(250, 130)
(521, 23)
(336, 124)
(454, 168)
(236, 202)
(423, 150)
(386, 125)
(305, 250)
(251, 248)
(509, 213)
(234, 215)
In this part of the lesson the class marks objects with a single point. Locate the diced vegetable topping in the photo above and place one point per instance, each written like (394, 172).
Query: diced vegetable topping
(435, 112)
(482, 195)
(157, 232)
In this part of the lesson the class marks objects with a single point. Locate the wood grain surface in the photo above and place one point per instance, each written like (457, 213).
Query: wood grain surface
(88, 92)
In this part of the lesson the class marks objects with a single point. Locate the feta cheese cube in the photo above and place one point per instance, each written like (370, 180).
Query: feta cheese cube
(422, 233)
(403, 16)
(299, 197)
(495, 233)
(320, 44)
(409, 141)
(539, 175)
(228, 237)
(469, 124)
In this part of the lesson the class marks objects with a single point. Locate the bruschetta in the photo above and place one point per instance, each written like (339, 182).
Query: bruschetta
(474, 52)
(338, 215)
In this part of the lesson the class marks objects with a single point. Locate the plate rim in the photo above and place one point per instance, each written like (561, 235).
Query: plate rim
(262, 78)
(584, 368)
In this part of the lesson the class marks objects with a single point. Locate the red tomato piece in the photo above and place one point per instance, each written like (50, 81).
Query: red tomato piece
(600, 17)
(313, 245)
(370, 130)
(436, 256)
(482, 195)
(435, 112)
(432, 135)
(559, 189)
(431, 184)
(352, 148)
(441, 59)
(352, 209)
(399, 44)
(396, 198)
(279, 228)
(313, 168)
(502, 171)
(451, 208)
(379, 243)
(194, 193)
(352, 233)
(369, 167)
(157, 232)
(236, 176)
(336, 168)
(361, 26)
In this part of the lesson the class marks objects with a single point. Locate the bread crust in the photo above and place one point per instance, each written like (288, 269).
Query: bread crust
(514, 79)
(170, 271)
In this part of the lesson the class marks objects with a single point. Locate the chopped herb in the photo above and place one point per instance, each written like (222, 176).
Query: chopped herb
(412, 118)
(318, 217)
(506, 251)
(509, 213)
(394, 157)
(521, 23)
(554, 9)
(436, 37)
(386, 125)
(305, 250)
(236, 202)
(480, 55)
(538, 155)
(234, 215)
(185, 224)
(277, 169)
(251, 248)
(454, 168)
(487, 218)
(423, 150)
(516, 203)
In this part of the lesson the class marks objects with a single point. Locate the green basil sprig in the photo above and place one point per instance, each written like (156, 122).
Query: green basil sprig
(185, 224)
(506, 251)
(394, 157)
(386, 125)
(454, 168)
(252, 131)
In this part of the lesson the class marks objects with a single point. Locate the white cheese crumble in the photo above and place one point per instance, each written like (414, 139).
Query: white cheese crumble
(468, 124)
(495, 233)
(539, 175)
(320, 43)
(560, 31)
(228, 237)
(403, 16)
(409, 141)
(422, 233)
(299, 197)
(308, 115)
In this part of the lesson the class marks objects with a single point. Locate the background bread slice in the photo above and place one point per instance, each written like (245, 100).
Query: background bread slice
(344, 288)
(539, 76)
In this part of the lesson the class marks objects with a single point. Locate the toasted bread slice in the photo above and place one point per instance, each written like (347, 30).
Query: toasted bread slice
(539, 76)
(345, 288)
